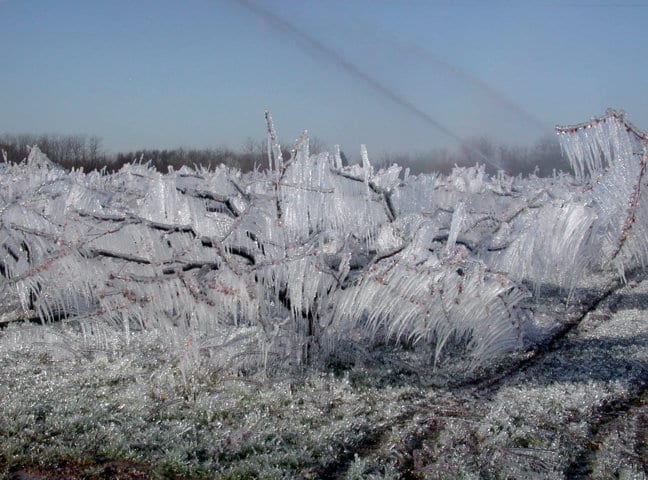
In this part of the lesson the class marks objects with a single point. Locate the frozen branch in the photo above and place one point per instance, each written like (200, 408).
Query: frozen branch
(312, 257)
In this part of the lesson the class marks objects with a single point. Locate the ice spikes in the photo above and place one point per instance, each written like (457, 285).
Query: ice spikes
(612, 154)
(313, 259)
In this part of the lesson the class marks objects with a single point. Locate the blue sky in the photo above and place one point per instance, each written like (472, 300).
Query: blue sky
(399, 76)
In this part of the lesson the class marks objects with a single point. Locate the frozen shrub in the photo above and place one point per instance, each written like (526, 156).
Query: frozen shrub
(311, 259)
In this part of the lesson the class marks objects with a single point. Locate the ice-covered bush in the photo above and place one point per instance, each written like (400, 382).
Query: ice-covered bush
(312, 260)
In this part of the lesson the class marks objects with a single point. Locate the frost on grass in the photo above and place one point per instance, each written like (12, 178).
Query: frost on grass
(153, 401)
(312, 261)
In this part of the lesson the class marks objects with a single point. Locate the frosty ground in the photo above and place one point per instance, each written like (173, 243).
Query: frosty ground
(574, 406)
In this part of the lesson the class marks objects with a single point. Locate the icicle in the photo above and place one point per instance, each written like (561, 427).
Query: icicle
(338, 157)
(458, 219)
(274, 149)
(593, 146)
(366, 166)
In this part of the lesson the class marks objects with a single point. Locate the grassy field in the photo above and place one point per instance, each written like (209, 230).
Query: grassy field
(573, 406)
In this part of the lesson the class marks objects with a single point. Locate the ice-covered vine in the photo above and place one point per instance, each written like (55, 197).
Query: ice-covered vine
(311, 259)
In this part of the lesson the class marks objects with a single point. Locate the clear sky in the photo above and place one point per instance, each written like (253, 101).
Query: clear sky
(397, 75)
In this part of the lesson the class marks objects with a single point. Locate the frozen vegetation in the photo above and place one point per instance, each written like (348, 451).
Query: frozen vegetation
(321, 320)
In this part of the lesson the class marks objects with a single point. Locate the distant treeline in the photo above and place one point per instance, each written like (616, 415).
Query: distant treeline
(76, 151)
(67, 150)
(82, 151)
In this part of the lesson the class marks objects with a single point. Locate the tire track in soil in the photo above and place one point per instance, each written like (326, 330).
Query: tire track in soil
(610, 415)
(486, 386)
(375, 437)
(372, 439)
(610, 412)
(613, 413)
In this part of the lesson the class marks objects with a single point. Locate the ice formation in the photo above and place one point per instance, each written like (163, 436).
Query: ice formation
(312, 259)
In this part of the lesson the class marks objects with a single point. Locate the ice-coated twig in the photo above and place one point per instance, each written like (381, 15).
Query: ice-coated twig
(275, 158)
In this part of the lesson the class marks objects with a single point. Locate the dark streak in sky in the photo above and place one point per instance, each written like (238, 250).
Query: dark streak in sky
(311, 44)
(476, 83)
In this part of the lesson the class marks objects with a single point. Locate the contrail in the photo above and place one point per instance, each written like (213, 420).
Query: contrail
(478, 84)
(307, 41)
